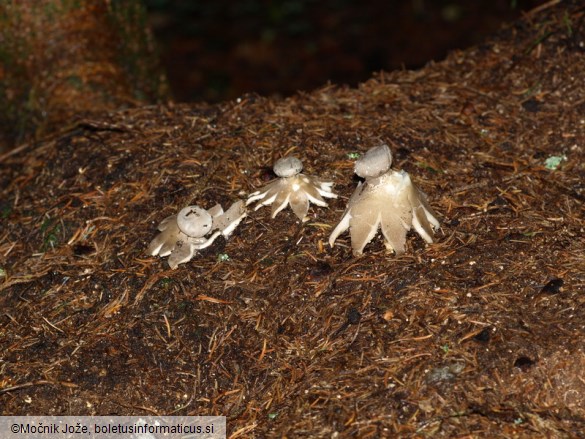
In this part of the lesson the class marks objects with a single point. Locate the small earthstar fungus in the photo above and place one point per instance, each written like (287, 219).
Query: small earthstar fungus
(188, 231)
(388, 200)
(292, 187)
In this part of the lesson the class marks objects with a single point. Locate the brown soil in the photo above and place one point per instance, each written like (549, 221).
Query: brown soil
(477, 335)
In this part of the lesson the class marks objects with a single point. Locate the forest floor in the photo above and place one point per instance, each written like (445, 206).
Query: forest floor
(479, 334)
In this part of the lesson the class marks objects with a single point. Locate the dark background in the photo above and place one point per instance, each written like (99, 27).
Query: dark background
(221, 49)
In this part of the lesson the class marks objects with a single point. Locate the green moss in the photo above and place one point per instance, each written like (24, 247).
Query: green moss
(51, 232)
(5, 211)
(165, 283)
(75, 81)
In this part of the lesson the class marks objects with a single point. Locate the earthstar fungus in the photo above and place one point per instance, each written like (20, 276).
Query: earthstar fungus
(185, 233)
(292, 188)
(388, 200)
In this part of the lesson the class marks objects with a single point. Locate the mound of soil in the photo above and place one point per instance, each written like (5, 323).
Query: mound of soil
(479, 334)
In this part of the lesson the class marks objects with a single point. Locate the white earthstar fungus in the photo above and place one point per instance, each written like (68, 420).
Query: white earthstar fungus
(388, 200)
(185, 233)
(292, 188)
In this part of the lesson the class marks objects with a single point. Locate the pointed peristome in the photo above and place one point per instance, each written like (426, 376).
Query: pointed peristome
(287, 167)
(375, 162)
